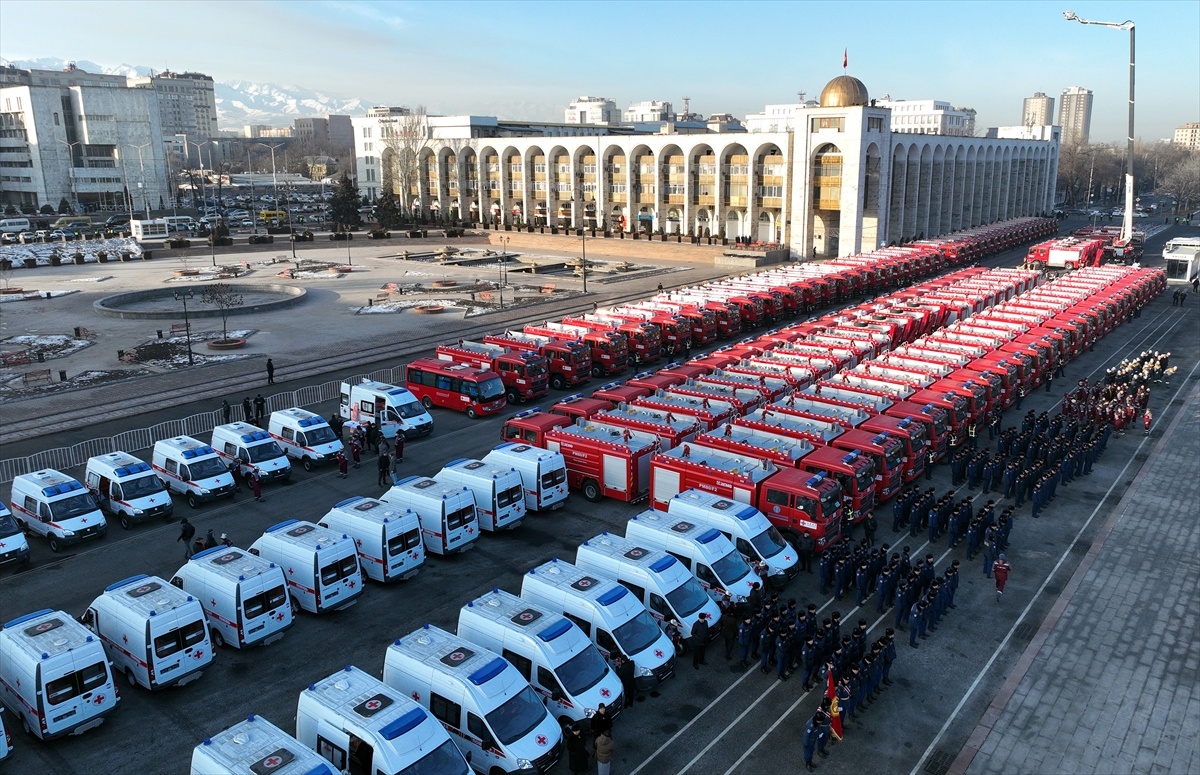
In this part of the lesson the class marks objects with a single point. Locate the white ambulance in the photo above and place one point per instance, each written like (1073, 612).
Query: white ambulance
(552, 653)
(608, 613)
(447, 514)
(321, 566)
(661, 582)
(705, 551)
(388, 539)
(361, 725)
(193, 469)
(494, 715)
(756, 539)
(14, 549)
(6, 745)
(499, 491)
(54, 675)
(254, 449)
(245, 597)
(543, 472)
(127, 488)
(255, 747)
(304, 436)
(392, 409)
(51, 504)
(153, 633)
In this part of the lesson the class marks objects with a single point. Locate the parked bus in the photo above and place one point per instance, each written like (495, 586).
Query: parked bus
(457, 386)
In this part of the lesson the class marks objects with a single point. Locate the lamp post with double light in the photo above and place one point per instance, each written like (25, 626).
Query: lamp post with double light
(187, 326)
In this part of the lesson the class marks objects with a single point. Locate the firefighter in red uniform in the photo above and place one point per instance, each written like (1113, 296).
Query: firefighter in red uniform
(1146, 418)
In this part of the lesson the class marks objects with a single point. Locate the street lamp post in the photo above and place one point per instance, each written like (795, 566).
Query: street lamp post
(583, 239)
(503, 267)
(71, 171)
(142, 180)
(187, 326)
(1127, 221)
(200, 163)
(250, 171)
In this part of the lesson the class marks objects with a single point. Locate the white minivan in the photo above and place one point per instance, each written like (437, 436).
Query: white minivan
(359, 724)
(304, 436)
(193, 469)
(253, 449)
(51, 504)
(244, 596)
(323, 570)
(756, 539)
(543, 472)
(390, 408)
(127, 488)
(388, 539)
(661, 582)
(14, 549)
(494, 715)
(556, 658)
(499, 492)
(255, 746)
(153, 632)
(54, 675)
(608, 613)
(705, 551)
(447, 513)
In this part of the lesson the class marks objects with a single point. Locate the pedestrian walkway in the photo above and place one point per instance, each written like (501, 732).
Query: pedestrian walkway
(1109, 682)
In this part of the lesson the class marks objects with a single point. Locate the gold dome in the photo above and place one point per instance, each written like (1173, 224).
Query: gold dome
(845, 91)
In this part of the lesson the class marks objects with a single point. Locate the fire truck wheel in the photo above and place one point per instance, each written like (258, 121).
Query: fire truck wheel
(595, 371)
(591, 491)
(557, 383)
(512, 397)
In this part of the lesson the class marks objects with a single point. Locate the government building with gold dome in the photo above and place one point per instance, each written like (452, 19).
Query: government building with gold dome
(835, 181)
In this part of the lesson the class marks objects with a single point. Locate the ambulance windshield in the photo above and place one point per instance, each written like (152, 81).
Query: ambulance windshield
(582, 671)
(517, 717)
(687, 598)
(260, 453)
(75, 506)
(639, 632)
(206, 468)
(322, 434)
(731, 568)
(410, 410)
(443, 760)
(8, 525)
(768, 543)
(141, 487)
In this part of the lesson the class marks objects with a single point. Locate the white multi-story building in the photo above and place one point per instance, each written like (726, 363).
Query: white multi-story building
(1188, 136)
(778, 118)
(1037, 110)
(187, 102)
(1075, 114)
(81, 136)
(648, 111)
(929, 117)
(838, 182)
(592, 110)
(1046, 132)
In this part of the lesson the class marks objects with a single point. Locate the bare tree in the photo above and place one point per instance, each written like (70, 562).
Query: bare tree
(224, 297)
(406, 137)
(1183, 182)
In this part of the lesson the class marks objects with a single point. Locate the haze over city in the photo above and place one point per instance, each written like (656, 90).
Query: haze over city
(527, 60)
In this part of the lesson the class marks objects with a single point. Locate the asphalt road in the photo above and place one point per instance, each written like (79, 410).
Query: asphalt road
(718, 719)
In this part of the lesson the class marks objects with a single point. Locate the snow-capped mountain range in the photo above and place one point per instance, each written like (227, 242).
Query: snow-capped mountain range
(238, 102)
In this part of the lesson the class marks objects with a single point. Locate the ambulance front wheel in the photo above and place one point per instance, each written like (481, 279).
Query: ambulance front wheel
(295, 606)
(193, 501)
(591, 491)
(218, 640)
(124, 522)
(307, 463)
(55, 546)
(129, 677)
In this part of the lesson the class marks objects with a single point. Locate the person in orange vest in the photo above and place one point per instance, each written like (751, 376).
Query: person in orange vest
(1146, 418)
(1000, 569)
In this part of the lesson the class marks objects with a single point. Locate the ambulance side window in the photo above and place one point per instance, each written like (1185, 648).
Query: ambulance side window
(288, 434)
(659, 606)
(299, 439)
(523, 665)
(366, 407)
(89, 619)
(746, 549)
(231, 449)
(331, 753)
(605, 641)
(444, 710)
(550, 684)
(31, 505)
(172, 467)
(687, 562)
(243, 455)
(177, 582)
(44, 512)
(116, 493)
(345, 399)
(583, 625)
(476, 728)
(635, 589)
(705, 574)
(93, 480)
(184, 473)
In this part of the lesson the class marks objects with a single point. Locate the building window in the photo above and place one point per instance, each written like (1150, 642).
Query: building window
(538, 185)
(616, 188)
(56, 119)
(563, 187)
(368, 146)
(366, 131)
(537, 168)
(739, 169)
(828, 123)
(775, 191)
(516, 169)
(675, 189)
(874, 124)
(590, 188)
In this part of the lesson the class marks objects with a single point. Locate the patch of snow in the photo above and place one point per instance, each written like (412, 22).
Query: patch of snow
(34, 296)
(99, 279)
(41, 252)
(400, 306)
(50, 345)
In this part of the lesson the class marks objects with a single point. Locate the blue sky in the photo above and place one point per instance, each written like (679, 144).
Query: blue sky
(527, 60)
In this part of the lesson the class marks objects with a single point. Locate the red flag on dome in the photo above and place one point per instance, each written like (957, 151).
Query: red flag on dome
(845, 58)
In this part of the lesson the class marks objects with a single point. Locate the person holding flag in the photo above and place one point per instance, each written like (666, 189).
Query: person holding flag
(835, 712)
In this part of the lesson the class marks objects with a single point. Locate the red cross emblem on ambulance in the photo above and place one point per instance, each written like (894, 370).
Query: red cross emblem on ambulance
(541, 740)
(658, 652)
(271, 762)
(526, 616)
(352, 584)
(44, 626)
(357, 542)
(213, 602)
(290, 571)
(416, 696)
(605, 692)
(457, 656)
(98, 699)
(373, 704)
(83, 520)
(125, 638)
(584, 583)
(198, 653)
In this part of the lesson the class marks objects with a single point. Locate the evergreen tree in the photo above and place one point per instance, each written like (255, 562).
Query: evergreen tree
(343, 205)
(387, 209)
(64, 207)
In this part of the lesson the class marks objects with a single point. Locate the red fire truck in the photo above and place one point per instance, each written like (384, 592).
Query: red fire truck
(743, 399)
(525, 374)
(703, 321)
(726, 316)
(610, 350)
(935, 419)
(436, 382)
(620, 393)
(957, 408)
(671, 429)
(675, 331)
(912, 436)
(708, 411)
(531, 426)
(1065, 253)
(578, 406)
(794, 501)
(570, 361)
(854, 471)
(644, 340)
(605, 460)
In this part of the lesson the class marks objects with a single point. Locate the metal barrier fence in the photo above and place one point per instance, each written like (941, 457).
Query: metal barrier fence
(139, 439)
